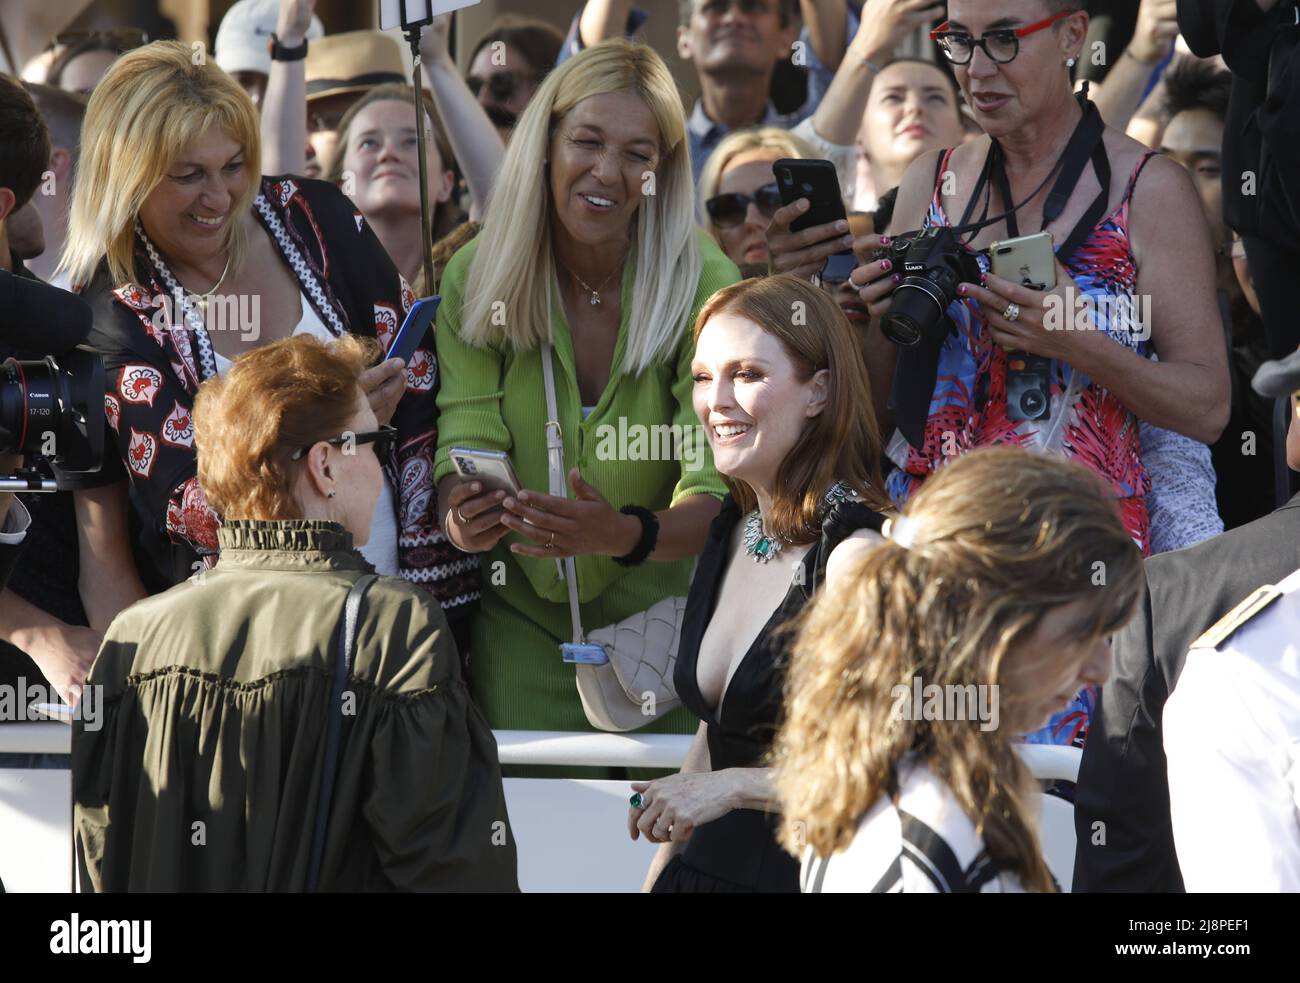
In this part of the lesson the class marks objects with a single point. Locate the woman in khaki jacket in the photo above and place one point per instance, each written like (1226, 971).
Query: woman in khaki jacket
(207, 770)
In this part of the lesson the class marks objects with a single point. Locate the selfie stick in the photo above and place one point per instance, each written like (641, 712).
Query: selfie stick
(422, 154)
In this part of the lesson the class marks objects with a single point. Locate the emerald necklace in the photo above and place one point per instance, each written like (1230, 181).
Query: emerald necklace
(763, 548)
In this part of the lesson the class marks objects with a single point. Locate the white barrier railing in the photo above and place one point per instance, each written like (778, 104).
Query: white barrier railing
(572, 748)
(555, 852)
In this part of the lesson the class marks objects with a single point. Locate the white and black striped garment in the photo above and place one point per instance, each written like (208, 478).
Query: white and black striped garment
(924, 844)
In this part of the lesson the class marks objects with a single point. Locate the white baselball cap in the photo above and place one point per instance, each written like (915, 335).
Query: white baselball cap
(245, 32)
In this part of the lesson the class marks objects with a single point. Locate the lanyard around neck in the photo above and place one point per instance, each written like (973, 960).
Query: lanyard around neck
(1086, 144)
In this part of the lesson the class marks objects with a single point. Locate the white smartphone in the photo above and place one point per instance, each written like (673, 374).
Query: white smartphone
(490, 468)
(1027, 260)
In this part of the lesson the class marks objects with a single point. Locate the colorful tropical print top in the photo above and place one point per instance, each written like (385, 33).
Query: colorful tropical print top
(1088, 423)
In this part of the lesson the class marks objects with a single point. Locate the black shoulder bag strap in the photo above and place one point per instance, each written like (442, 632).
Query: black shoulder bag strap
(344, 654)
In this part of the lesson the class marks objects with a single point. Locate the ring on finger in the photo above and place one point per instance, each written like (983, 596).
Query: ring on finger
(1012, 313)
(551, 544)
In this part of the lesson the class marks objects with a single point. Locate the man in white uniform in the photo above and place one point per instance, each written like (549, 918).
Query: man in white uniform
(1232, 730)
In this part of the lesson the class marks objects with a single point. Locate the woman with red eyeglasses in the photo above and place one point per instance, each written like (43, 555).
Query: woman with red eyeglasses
(1070, 369)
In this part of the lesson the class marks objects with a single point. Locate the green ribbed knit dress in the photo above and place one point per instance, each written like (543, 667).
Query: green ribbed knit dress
(494, 398)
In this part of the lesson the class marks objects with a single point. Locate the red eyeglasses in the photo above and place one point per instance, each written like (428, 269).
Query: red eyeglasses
(1001, 46)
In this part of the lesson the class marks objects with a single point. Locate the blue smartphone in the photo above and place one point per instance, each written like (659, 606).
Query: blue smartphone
(413, 329)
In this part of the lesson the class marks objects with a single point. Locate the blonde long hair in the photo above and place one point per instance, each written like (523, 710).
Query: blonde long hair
(153, 102)
(1002, 537)
(514, 264)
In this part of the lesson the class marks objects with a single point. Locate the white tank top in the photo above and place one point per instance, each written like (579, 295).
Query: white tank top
(381, 550)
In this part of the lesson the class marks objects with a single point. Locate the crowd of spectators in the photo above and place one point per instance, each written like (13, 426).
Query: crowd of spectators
(1052, 461)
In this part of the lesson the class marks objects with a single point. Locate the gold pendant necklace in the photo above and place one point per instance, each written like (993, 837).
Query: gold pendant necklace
(202, 299)
(594, 291)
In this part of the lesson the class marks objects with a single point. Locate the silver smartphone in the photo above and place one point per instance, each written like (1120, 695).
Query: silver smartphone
(1027, 260)
(492, 469)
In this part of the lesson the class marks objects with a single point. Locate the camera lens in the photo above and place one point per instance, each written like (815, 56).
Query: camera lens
(29, 404)
(786, 176)
(54, 409)
(914, 315)
(1032, 403)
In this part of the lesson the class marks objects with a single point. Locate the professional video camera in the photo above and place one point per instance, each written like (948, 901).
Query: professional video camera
(52, 404)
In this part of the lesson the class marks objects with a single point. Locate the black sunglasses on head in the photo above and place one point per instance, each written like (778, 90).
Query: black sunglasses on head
(729, 210)
(384, 439)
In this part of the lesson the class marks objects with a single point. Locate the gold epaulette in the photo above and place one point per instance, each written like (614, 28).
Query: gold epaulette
(1227, 626)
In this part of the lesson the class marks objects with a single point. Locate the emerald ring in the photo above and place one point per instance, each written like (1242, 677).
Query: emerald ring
(636, 801)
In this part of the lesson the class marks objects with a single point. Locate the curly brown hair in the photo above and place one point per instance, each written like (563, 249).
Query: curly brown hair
(274, 399)
(1002, 537)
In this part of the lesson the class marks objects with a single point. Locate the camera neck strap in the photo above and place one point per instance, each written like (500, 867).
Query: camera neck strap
(1086, 144)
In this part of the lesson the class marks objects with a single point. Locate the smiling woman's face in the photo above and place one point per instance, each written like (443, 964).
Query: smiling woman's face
(188, 216)
(601, 157)
(381, 155)
(750, 398)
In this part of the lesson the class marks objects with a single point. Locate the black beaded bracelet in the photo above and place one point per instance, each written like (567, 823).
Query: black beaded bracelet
(649, 536)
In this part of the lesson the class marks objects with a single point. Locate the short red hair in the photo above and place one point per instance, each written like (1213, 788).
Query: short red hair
(274, 399)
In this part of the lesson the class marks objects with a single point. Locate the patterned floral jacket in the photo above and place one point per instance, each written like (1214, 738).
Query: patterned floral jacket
(154, 364)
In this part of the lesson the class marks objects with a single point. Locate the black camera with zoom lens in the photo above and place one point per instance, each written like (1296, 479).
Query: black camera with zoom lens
(52, 391)
(932, 263)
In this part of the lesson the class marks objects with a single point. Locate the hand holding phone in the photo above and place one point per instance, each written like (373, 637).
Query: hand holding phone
(818, 181)
(414, 328)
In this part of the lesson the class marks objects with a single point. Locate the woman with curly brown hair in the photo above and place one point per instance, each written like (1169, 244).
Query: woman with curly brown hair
(915, 673)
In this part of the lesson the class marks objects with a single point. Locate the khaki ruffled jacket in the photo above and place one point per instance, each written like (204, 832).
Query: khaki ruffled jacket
(205, 771)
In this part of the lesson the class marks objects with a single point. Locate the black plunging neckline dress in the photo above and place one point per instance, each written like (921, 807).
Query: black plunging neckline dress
(739, 852)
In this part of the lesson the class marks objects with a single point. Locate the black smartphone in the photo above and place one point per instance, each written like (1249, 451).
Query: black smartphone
(817, 181)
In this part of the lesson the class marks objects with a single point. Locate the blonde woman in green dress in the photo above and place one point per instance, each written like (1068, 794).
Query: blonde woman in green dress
(589, 244)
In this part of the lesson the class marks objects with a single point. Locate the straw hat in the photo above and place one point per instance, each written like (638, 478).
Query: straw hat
(352, 62)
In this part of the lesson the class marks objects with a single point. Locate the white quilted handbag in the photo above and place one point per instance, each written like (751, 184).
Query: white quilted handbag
(636, 685)
(624, 670)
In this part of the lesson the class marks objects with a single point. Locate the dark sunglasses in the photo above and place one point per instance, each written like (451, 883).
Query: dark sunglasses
(384, 439)
(501, 85)
(728, 211)
(1000, 46)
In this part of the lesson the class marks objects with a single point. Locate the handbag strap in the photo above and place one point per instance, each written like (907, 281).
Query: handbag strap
(345, 651)
(567, 569)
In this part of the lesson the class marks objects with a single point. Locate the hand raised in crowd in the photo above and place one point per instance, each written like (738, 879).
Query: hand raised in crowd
(875, 281)
(1157, 26)
(473, 520)
(582, 526)
(433, 42)
(672, 807)
(1032, 329)
(885, 23)
(295, 21)
(383, 385)
(803, 253)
